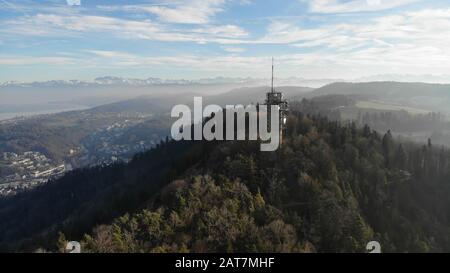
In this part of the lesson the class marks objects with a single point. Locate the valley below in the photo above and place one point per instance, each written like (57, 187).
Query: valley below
(115, 132)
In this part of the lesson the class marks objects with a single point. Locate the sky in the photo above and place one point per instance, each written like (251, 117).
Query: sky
(192, 39)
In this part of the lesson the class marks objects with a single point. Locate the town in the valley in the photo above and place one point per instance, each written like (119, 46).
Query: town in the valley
(24, 171)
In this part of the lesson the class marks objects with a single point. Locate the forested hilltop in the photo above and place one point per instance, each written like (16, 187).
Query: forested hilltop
(331, 187)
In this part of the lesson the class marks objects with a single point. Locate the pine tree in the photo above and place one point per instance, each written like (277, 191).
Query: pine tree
(387, 144)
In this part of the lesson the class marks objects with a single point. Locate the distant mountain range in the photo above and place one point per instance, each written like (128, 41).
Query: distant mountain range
(119, 81)
(152, 81)
(109, 80)
(19, 98)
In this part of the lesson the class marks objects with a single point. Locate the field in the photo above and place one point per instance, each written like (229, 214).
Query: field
(380, 105)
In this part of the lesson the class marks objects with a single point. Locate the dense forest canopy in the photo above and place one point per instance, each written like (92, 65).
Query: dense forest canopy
(331, 187)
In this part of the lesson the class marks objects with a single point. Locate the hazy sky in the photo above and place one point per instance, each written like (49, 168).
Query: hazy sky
(73, 39)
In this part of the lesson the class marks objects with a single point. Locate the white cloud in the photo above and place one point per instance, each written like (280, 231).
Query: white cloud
(186, 61)
(234, 49)
(409, 42)
(285, 33)
(181, 11)
(225, 31)
(74, 2)
(406, 42)
(111, 54)
(58, 25)
(312, 64)
(187, 11)
(427, 27)
(339, 6)
(31, 60)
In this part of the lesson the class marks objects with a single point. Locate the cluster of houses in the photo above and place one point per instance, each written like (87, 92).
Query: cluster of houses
(27, 170)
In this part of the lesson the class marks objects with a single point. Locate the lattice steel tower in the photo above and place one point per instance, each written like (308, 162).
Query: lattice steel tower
(276, 98)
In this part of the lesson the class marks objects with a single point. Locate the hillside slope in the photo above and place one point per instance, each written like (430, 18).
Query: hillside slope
(330, 188)
(391, 89)
(431, 97)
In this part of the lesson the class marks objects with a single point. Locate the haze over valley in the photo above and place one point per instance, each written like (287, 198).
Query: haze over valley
(116, 131)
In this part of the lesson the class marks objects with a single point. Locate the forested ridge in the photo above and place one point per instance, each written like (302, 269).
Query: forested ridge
(331, 187)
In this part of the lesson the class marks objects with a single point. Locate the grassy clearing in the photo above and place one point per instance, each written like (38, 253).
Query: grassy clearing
(379, 105)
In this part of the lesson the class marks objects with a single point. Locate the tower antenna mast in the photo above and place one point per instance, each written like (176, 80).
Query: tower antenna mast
(272, 77)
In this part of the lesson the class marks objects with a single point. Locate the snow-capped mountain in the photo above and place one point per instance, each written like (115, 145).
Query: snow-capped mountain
(111, 80)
